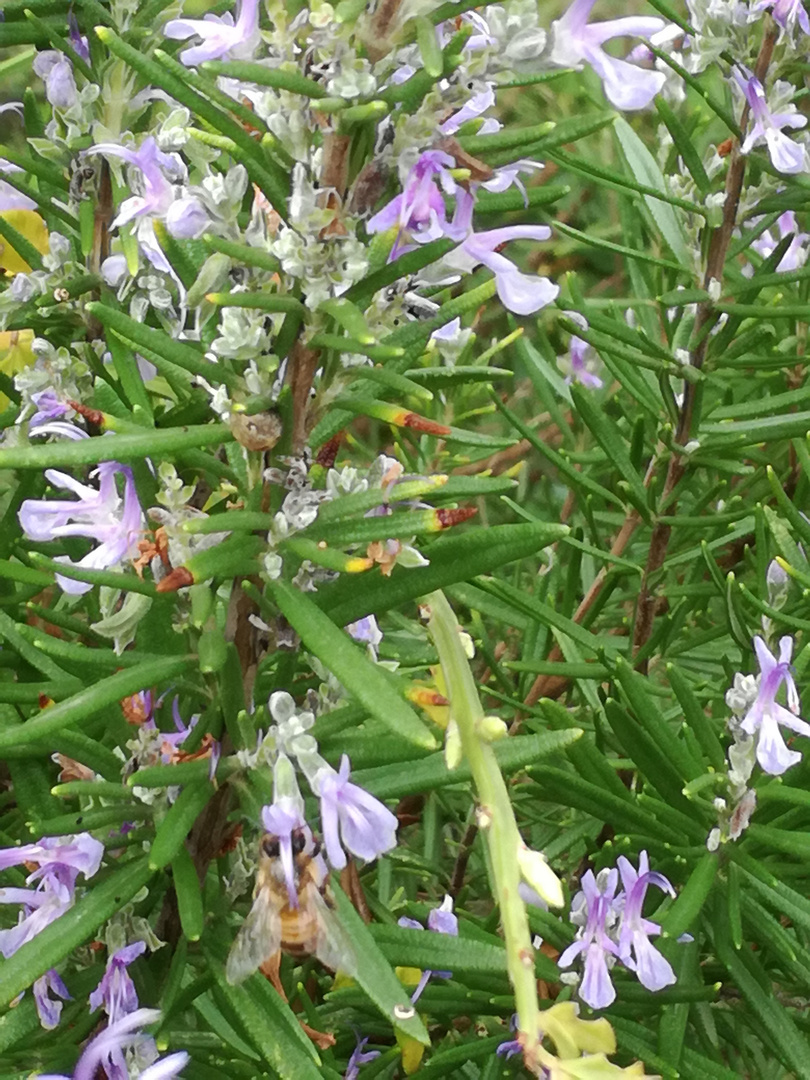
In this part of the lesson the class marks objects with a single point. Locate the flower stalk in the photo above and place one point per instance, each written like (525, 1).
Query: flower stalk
(497, 821)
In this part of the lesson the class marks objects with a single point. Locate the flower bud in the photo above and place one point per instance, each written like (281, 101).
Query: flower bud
(452, 746)
(491, 728)
(186, 218)
(538, 874)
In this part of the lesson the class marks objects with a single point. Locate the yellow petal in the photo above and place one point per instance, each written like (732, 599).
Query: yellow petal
(412, 1052)
(15, 354)
(30, 225)
(573, 1036)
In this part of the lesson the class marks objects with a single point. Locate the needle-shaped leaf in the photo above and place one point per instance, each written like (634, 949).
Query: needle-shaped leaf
(346, 660)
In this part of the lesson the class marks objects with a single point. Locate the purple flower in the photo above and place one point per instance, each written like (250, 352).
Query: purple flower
(157, 198)
(282, 819)
(349, 814)
(786, 13)
(78, 42)
(637, 953)
(49, 407)
(579, 369)
(598, 901)
(420, 208)
(59, 861)
(796, 254)
(358, 1058)
(510, 1047)
(158, 193)
(220, 36)
(100, 514)
(109, 1045)
(56, 71)
(574, 42)
(521, 293)
(49, 1010)
(366, 631)
(786, 155)
(441, 920)
(116, 992)
(765, 715)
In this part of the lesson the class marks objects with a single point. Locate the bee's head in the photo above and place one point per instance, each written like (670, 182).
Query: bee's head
(301, 841)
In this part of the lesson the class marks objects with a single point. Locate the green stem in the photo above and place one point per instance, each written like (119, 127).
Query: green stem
(496, 820)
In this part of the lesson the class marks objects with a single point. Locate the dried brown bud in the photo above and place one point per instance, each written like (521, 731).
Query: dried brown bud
(259, 432)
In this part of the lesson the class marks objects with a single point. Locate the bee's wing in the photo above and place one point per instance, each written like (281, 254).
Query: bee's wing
(333, 947)
(258, 939)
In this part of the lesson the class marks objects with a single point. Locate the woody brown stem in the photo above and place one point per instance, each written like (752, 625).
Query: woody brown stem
(715, 264)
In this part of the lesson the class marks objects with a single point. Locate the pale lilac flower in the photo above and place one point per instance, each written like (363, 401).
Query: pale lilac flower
(48, 1010)
(10, 197)
(109, 1045)
(420, 208)
(59, 861)
(598, 903)
(796, 254)
(220, 35)
(366, 631)
(510, 1047)
(56, 71)
(49, 407)
(100, 514)
(579, 369)
(508, 175)
(637, 953)
(786, 13)
(786, 155)
(765, 715)
(78, 42)
(574, 42)
(349, 814)
(521, 293)
(476, 106)
(158, 193)
(359, 1057)
(281, 820)
(114, 269)
(116, 992)
(186, 218)
(441, 920)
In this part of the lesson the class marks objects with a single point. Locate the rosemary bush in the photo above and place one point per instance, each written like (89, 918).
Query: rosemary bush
(403, 576)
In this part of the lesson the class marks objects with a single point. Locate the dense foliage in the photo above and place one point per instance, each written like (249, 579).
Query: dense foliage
(403, 575)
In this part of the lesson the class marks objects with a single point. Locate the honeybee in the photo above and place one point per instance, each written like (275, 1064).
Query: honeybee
(291, 915)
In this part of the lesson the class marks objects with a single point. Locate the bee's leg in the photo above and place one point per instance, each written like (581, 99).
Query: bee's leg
(351, 885)
(270, 969)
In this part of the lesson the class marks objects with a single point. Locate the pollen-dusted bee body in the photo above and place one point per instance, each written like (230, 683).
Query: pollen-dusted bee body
(294, 917)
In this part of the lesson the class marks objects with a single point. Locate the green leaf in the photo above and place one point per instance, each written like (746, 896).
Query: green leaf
(176, 352)
(92, 700)
(688, 905)
(15, 640)
(406, 947)
(612, 442)
(265, 1022)
(645, 169)
(177, 823)
(277, 77)
(456, 557)
(512, 754)
(189, 894)
(787, 1042)
(374, 973)
(130, 447)
(51, 945)
(363, 679)
(428, 43)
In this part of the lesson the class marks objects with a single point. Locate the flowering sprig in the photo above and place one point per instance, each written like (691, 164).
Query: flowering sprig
(612, 928)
